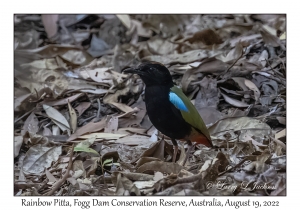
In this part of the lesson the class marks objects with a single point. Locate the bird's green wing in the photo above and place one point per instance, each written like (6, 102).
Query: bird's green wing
(191, 116)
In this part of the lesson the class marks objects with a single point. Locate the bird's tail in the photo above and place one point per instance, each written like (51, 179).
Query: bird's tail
(200, 138)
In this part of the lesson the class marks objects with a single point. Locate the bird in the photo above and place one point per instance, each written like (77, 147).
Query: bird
(169, 109)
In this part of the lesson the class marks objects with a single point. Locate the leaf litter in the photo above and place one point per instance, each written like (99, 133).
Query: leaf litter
(81, 126)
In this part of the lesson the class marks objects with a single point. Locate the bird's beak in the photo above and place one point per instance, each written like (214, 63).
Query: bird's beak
(133, 71)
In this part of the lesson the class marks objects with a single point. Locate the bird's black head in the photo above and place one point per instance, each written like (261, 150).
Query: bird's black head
(152, 73)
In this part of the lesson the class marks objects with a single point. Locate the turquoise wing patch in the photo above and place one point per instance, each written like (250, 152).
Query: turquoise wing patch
(177, 102)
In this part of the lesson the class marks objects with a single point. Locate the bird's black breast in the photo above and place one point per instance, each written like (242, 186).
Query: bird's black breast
(163, 114)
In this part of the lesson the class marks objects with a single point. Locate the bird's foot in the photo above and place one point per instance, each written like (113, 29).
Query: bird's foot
(188, 153)
(175, 153)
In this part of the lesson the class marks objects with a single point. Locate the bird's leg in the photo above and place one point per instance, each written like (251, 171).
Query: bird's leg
(188, 151)
(175, 146)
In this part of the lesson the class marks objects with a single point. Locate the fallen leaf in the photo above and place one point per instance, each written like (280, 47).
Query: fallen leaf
(57, 118)
(234, 102)
(253, 87)
(187, 57)
(263, 58)
(18, 141)
(125, 19)
(133, 140)
(159, 46)
(239, 123)
(158, 176)
(82, 107)
(280, 134)
(144, 184)
(73, 118)
(206, 36)
(31, 124)
(111, 124)
(141, 30)
(271, 39)
(234, 54)
(281, 120)
(38, 158)
(50, 176)
(88, 128)
(163, 167)
(63, 101)
(122, 107)
(102, 136)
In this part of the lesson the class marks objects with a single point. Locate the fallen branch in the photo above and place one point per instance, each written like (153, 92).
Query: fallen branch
(64, 178)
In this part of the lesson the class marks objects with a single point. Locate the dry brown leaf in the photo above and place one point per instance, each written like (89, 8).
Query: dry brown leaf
(126, 20)
(280, 187)
(271, 39)
(111, 124)
(88, 128)
(280, 134)
(73, 118)
(82, 107)
(122, 107)
(38, 158)
(102, 136)
(50, 176)
(63, 101)
(135, 176)
(210, 65)
(101, 75)
(129, 114)
(141, 30)
(55, 130)
(30, 124)
(47, 63)
(57, 118)
(206, 36)
(18, 141)
(145, 159)
(131, 130)
(244, 39)
(136, 119)
(159, 46)
(234, 102)
(263, 58)
(281, 120)
(234, 54)
(163, 167)
(240, 123)
(21, 100)
(144, 184)
(78, 169)
(187, 57)
(158, 176)
(84, 86)
(133, 140)
(72, 54)
(253, 87)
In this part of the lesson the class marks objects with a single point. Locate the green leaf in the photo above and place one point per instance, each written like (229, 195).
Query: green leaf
(105, 162)
(110, 164)
(86, 143)
(85, 149)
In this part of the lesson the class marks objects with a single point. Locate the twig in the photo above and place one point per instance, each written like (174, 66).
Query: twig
(64, 178)
(24, 115)
(99, 106)
(237, 165)
(102, 170)
(234, 62)
(87, 119)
